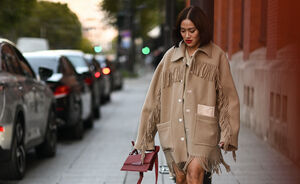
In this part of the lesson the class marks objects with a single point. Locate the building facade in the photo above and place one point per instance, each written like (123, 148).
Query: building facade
(261, 38)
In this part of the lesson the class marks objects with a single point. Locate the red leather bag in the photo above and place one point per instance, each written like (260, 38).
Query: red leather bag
(134, 163)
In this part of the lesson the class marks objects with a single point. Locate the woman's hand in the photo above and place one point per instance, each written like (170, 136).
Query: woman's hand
(221, 145)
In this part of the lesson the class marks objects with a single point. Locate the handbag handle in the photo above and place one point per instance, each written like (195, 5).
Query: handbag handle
(134, 151)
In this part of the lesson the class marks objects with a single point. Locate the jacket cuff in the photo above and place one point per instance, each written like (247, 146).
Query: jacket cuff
(231, 144)
(149, 146)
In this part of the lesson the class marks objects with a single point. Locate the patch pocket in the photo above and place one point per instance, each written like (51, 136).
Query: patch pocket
(206, 110)
(164, 132)
(206, 131)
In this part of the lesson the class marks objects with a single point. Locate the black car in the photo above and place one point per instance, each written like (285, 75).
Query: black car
(81, 66)
(73, 96)
(103, 75)
(106, 77)
(27, 112)
(115, 67)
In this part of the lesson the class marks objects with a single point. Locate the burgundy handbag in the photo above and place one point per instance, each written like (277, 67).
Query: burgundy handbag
(134, 163)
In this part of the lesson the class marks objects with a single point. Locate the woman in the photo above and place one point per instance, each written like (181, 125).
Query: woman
(192, 103)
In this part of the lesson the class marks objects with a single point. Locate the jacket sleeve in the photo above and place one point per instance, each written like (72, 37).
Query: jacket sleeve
(228, 106)
(150, 114)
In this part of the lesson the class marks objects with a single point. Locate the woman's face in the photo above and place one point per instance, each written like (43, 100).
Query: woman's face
(190, 33)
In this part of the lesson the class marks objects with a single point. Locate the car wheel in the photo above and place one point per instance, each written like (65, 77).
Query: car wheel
(48, 147)
(96, 112)
(120, 87)
(78, 130)
(107, 98)
(15, 169)
(89, 123)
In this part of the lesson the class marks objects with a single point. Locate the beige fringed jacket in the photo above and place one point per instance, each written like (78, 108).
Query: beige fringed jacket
(193, 104)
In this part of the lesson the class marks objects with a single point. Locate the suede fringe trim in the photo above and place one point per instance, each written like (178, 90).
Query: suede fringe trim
(209, 165)
(204, 70)
(222, 106)
(151, 126)
(170, 77)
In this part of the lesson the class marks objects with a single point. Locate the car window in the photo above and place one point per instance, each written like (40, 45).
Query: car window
(77, 61)
(25, 67)
(43, 61)
(67, 68)
(26, 70)
(9, 60)
(96, 64)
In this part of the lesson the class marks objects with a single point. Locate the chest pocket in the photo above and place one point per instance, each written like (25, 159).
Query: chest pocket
(206, 131)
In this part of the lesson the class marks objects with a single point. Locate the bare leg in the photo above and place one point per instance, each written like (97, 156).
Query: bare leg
(180, 176)
(195, 173)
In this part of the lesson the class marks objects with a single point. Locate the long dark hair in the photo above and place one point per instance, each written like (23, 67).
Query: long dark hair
(201, 22)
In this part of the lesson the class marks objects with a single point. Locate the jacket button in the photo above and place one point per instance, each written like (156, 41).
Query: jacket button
(181, 81)
(179, 100)
(180, 119)
(182, 138)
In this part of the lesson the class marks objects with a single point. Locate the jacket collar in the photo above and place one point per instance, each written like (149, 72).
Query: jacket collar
(180, 51)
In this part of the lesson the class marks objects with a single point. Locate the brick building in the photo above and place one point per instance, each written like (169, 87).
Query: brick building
(261, 38)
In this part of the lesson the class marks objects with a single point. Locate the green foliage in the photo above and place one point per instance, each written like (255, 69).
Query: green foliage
(29, 18)
(111, 8)
(148, 13)
(86, 46)
(11, 14)
(55, 22)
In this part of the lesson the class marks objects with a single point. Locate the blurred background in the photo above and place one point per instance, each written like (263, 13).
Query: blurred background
(261, 39)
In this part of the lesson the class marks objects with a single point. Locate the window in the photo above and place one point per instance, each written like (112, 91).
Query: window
(242, 25)
(272, 104)
(263, 27)
(66, 67)
(278, 106)
(25, 68)
(70, 66)
(10, 61)
(284, 108)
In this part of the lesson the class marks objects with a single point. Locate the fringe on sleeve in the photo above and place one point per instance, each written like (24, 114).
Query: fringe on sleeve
(151, 129)
(222, 110)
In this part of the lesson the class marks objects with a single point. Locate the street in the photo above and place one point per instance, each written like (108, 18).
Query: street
(97, 158)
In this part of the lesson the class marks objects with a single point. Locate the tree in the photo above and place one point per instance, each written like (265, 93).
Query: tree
(55, 22)
(148, 13)
(11, 14)
(86, 46)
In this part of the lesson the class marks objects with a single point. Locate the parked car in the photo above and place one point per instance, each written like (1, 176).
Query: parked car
(73, 96)
(81, 66)
(104, 78)
(107, 76)
(117, 77)
(27, 112)
(110, 64)
(30, 44)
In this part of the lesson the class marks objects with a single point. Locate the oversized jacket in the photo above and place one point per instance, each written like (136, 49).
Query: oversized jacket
(194, 106)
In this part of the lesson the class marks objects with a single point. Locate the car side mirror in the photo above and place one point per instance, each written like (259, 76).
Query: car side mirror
(45, 73)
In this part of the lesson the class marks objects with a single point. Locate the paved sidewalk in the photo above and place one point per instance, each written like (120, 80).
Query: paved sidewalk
(257, 163)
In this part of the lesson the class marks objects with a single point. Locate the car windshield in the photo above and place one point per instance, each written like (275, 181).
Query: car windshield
(79, 63)
(47, 62)
(101, 61)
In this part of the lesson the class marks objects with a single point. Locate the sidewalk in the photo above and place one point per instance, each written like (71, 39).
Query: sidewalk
(257, 163)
